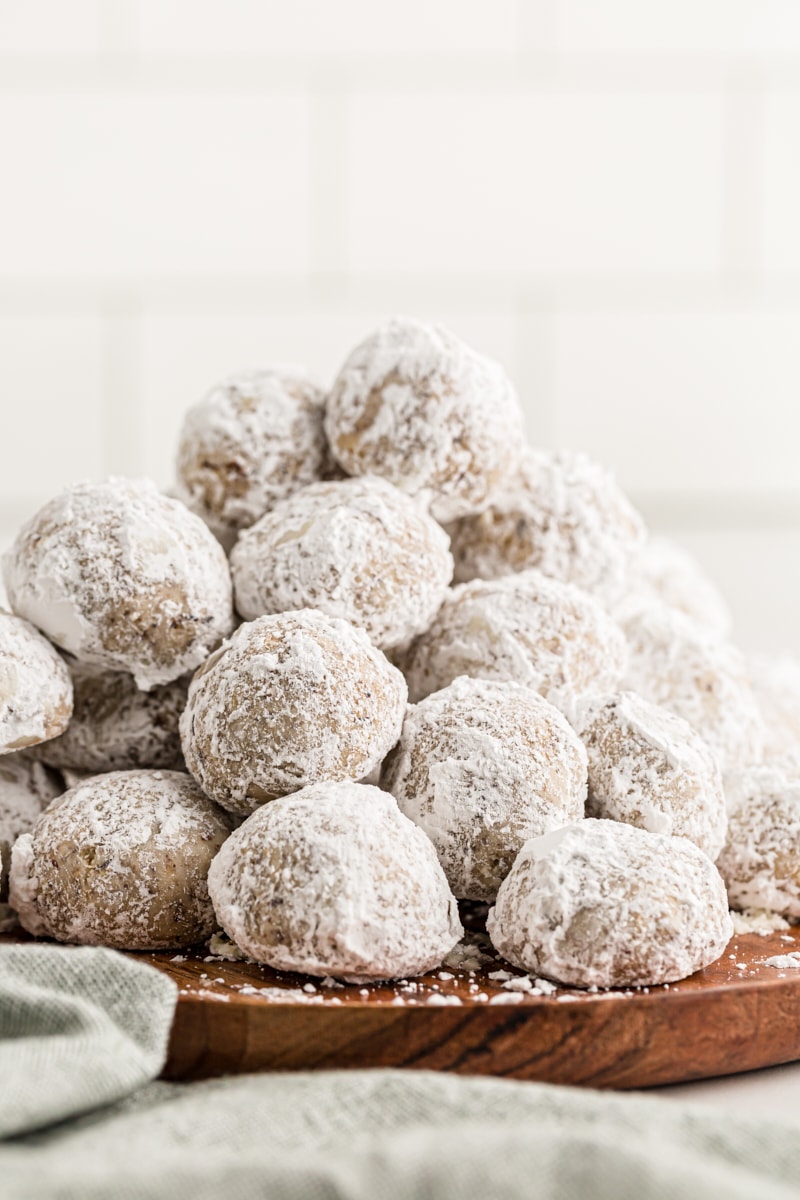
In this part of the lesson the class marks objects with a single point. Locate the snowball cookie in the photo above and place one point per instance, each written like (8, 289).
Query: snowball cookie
(560, 513)
(291, 699)
(665, 573)
(121, 860)
(673, 662)
(526, 628)
(334, 880)
(254, 439)
(414, 404)
(776, 683)
(482, 767)
(358, 549)
(649, 768)
(760, 862)
(35, 687)
(26, 787)
(123, 577)
(117, 727)
(604, 904)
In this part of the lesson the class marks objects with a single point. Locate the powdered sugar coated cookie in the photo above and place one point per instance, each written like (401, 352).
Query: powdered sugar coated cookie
(604, 904)
(414, 404)
(123, 577)
(358, 549)
(334, 880)
(35, 687)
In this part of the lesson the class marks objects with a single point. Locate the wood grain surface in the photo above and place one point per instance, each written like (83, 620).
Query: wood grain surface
(738, 1015)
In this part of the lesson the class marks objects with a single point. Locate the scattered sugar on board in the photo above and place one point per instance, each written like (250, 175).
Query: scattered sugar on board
(784, 962)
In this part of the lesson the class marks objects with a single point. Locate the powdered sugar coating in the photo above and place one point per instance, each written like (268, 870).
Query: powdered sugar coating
(663, 573)
(334, 880)
(776, 684)
(291, 699)
(416, 405)
(121, 860)
(26, 787)
(358, 549)
(117, 727)
(560, 513)
(760, 862)
(35, 687)
(482, 767)
(123, 577)
(649, 768)
(673, 662)
(525, 628)
(253, 440)
(604, 904)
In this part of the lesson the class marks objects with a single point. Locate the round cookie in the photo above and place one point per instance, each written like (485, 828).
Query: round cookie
(649, 768)
(253, 440)
(117, 727)
(358, 549)
(35, 687)
(525, 628)
(291, 699)
(334, 880)
(124, 578)
(482, 767)
(416, 405)
(663, 573)
(604, 904)
(560, 513)
(26, 787)
(760, 862)
(121, 860)
(672, 662)
(776, 684)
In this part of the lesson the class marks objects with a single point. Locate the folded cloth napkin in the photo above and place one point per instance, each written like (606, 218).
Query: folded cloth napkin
(82, 1031)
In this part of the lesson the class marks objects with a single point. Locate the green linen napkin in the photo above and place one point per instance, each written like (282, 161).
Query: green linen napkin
(85, 1028)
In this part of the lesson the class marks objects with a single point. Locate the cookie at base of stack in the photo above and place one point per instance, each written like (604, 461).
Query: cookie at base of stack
(121, 860)
(604, 904)
(335, 881)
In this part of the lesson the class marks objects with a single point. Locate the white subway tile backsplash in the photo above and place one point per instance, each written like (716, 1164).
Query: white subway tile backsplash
(49, 26)
(781, 182)
(52, 404)
(308, 27)
(679, 27)
(136, 184)
(184, 355)
(535, 181)
(691, 401)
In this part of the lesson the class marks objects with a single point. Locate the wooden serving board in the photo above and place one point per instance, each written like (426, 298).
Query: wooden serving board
(738, 1015)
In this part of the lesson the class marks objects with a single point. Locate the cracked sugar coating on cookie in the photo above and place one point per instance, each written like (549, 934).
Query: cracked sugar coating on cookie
(35, 687)
(673, 662)
(416, 405)
(776, 684)
(664, 573)
(482, 767)
(760, 862)
(604, 904)
(358, 549)
(291, 699)
(26, 788)
(334, 880)
(649, 768)
(560, 513)
(117, 727)
(121, 860)
(123, 578)
(256, 438)
(525, 628)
